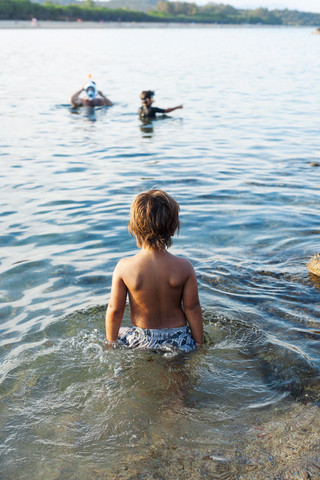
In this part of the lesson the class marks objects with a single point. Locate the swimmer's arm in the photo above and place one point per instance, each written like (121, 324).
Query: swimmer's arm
(192, 308)
(168, 110)
(106, 100)
(75, 99)
(116, 305)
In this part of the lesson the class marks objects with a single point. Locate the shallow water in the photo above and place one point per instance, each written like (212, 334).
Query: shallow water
(242, 159)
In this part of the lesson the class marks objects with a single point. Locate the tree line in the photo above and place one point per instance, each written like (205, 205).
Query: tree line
(165, 11)
(26, 10)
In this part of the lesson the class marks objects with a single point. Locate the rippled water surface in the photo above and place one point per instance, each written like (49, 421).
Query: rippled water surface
(242, 159)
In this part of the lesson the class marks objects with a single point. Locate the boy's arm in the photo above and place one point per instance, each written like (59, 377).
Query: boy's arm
(192, 308)
(116, 305)
(168, 110)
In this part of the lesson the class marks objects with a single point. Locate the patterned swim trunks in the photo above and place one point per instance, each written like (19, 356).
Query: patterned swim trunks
(168, 339)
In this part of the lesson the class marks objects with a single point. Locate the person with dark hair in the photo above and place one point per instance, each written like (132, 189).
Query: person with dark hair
(147, 110)
(162, 288)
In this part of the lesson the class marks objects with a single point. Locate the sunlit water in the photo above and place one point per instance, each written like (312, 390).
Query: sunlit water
(242, 159)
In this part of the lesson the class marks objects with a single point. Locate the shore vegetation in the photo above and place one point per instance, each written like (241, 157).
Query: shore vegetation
(162, 11)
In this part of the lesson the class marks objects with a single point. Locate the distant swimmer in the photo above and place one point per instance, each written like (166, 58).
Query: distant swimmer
(147, 110)
(88, 96)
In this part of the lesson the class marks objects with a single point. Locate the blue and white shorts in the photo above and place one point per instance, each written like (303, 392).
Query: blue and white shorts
(168, 339)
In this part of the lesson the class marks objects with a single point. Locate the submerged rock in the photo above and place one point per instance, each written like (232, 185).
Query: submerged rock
(314, 265)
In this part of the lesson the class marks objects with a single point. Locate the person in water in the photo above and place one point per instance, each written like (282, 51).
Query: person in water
(162, 288)
(88, 96)
(147, 110)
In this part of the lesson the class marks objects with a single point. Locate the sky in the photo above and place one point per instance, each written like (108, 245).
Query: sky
(302, 5)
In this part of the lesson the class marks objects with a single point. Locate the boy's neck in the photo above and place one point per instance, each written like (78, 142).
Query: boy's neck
(153, 251)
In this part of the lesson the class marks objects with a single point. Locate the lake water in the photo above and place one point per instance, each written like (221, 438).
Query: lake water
(242, 159)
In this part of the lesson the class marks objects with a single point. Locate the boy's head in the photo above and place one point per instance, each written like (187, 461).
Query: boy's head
(147, 97)
(154, 219)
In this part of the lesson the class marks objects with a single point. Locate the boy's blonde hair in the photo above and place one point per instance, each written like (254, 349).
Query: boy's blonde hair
(154, 219)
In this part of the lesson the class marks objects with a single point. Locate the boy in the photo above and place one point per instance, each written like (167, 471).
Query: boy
(147, 110)
(162, 288)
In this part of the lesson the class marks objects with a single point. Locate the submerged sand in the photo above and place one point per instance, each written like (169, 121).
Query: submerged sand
(284, 447)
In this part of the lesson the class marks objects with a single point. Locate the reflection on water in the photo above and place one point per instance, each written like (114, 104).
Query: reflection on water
(147, 124)
(90, 113)
(146, 127)
(241, 161)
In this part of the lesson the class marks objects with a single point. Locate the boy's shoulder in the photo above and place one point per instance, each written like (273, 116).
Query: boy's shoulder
(125, 262)
(182, 262)
(133, 260)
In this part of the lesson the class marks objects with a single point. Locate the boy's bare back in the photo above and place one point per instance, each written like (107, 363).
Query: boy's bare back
(162, 288)
(155, 281)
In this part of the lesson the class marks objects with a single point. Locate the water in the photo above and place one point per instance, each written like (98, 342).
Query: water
(242, 159)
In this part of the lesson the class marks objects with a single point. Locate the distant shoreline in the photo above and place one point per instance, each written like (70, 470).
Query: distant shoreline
(48, 24)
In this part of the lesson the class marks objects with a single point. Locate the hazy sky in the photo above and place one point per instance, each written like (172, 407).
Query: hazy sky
(303, 5)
